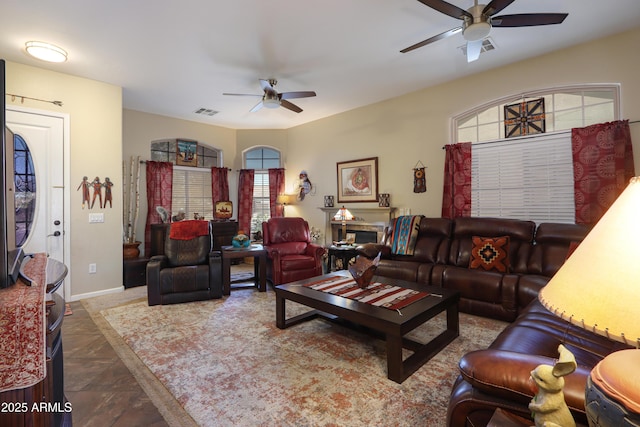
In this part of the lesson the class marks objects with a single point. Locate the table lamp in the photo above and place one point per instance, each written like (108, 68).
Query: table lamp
(598, 289)
(343, 215)
(284, 200)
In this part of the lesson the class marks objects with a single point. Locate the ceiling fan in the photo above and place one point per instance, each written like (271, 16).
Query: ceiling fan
(272, 99)
(478, 20)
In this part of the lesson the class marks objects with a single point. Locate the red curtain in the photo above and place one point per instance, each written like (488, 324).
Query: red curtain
(276, 187)
(245, 199)
(159, 183)
(602, 167)
(219, 185)
(456, 197)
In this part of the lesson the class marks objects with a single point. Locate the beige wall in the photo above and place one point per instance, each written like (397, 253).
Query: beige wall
(399, 131)
(95, 116)
(414, 127)
(140, 129)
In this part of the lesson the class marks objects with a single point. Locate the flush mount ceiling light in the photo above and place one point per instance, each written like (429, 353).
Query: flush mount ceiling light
(46, 51)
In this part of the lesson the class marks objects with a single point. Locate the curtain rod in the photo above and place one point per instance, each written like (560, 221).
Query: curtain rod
(145, 161)
(22, 98)
(491, 142)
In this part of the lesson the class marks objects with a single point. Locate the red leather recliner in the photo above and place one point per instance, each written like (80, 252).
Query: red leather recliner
(291, 255)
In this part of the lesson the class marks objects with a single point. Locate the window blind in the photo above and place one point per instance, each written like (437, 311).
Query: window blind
(529, 178)
(192, 192)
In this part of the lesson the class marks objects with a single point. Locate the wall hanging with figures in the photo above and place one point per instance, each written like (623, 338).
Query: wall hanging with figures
(92, 190)
(419, 178)
(304, 185)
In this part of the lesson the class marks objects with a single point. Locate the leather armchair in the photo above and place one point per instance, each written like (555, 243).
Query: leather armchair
(290, 253)
(187, 271)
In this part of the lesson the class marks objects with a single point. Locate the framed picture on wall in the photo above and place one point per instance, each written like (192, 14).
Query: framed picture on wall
(186, 153)
(358, 180)
(223, 210)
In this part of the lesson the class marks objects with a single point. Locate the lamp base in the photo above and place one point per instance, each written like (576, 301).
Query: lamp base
(612, 390)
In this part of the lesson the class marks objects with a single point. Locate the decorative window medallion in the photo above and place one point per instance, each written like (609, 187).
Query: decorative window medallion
(524, 118)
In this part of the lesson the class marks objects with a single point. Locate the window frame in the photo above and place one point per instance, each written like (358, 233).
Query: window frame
(562, 135)
(261, 174)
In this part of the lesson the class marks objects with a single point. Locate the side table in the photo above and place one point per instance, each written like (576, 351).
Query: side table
(259, 255)
(134, 272)
(342, 253)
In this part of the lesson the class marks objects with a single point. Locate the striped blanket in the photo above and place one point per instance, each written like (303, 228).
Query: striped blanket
(405, 234)
(378, 294)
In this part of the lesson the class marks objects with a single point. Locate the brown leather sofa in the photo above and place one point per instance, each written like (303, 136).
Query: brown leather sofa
(442, 257)
(498, 377)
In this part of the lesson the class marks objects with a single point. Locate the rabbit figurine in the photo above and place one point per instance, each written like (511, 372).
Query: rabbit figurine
(548, 405)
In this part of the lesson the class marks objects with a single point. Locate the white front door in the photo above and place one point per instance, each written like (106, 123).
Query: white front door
(44, 136)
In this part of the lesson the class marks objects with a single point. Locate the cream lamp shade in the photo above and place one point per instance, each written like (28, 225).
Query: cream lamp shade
(598, 287)
(285, 199)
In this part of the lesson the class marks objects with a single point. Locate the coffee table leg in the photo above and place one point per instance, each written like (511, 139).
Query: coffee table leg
(280, 312)
(262, 272)
(226, 275)
(395, 366)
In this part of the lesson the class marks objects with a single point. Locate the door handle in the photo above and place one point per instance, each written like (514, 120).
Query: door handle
(55, 234)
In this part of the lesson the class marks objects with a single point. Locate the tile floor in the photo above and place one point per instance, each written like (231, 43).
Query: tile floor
(97, 383)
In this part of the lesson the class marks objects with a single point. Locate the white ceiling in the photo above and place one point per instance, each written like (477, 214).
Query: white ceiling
(172, 58)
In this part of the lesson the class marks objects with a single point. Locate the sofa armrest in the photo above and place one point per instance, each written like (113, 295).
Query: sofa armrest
(155, 264)
(371, 250)
(315, 251)
(506, 374)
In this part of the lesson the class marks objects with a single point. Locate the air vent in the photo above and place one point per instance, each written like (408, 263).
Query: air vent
(206, 111)
(487, 45)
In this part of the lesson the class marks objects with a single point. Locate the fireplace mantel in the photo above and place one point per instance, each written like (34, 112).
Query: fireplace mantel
(372, 219)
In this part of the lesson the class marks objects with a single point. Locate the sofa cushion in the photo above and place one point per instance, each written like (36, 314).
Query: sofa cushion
(490, 253)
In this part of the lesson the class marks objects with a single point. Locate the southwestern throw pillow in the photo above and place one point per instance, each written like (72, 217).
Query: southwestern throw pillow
(490, 253)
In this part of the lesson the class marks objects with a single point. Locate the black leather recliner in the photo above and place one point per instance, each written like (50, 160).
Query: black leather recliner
(188, 271)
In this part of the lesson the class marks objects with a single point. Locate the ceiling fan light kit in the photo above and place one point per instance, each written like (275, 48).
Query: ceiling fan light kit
(478, 21)
(272, 99)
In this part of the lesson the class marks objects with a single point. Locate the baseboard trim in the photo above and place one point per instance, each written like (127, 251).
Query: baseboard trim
(96, 294)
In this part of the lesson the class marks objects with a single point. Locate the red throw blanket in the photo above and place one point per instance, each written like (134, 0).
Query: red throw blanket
(189, 229)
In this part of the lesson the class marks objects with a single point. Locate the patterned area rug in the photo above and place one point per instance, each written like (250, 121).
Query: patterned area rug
(226, 363)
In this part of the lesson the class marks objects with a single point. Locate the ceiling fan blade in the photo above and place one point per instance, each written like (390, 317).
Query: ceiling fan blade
(256, 107)
(496, 6)
(432, 39)
(473, 50)
(300, 94)
(290, 106)
(241, 94)
(447, 8)
(266, 86)
(528, 19)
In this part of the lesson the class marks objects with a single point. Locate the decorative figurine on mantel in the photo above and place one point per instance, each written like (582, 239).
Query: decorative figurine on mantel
(548, 405)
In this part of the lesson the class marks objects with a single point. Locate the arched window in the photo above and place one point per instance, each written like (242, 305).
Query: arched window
(25, 189)
(191, 191)
(527, 172)
(261, 159)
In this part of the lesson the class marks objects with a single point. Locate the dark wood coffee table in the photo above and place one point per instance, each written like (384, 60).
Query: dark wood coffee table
(382, 322)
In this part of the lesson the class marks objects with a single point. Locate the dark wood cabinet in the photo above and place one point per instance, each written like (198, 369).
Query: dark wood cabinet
(134, 272)
(44, 403)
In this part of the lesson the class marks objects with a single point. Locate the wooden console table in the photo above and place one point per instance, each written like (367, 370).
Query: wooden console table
(33, 393)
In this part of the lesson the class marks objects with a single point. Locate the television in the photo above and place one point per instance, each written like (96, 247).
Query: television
(10, 255)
